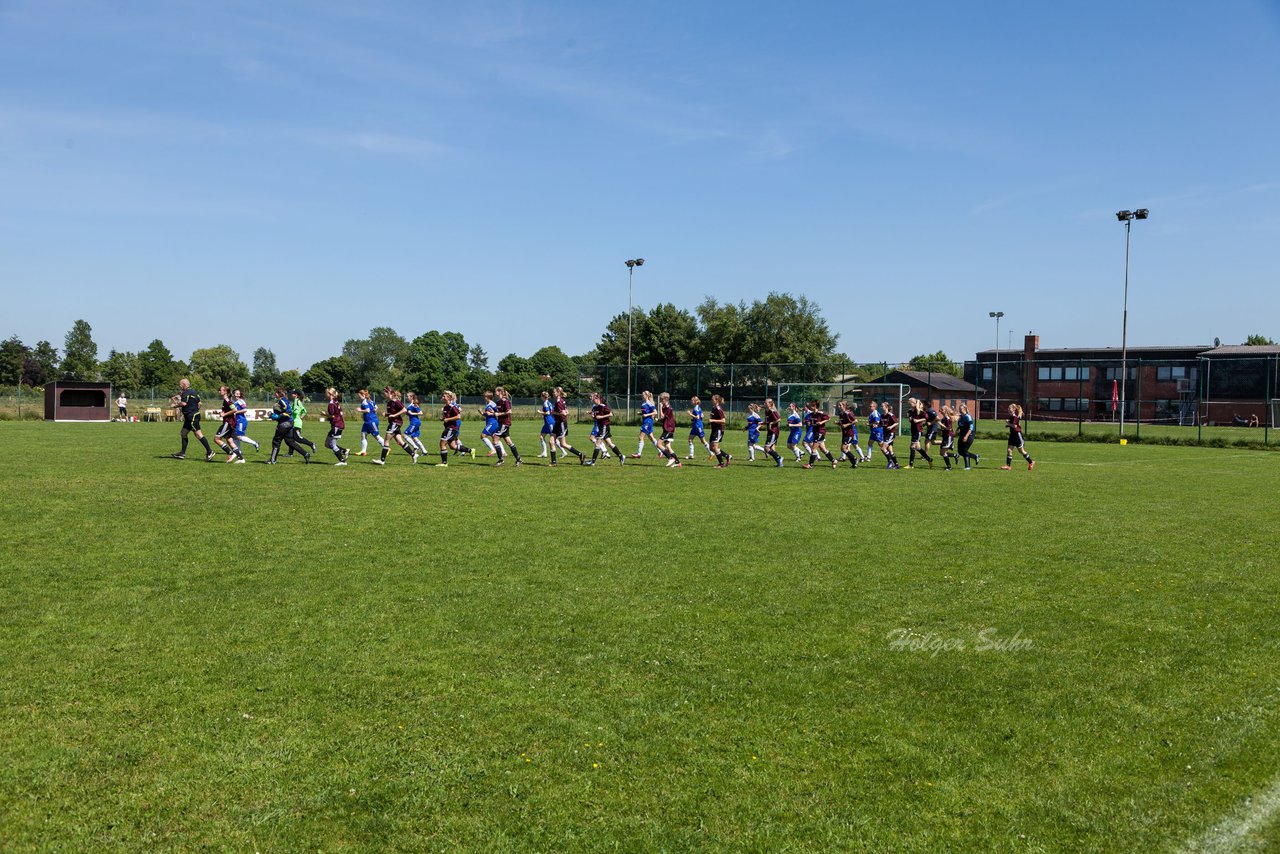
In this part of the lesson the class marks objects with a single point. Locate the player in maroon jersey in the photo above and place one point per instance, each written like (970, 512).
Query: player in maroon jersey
(227, 429)
(818, 417)
(917, 418)
(451, 418)
(503, 402)
(947, 435)
(560, 436)
(716, 423)
(889, 423)
(1014, 423)
(603, 415)
(848, 432)
(667, 416)
(772, 430)
(336, 425)
(395, 427)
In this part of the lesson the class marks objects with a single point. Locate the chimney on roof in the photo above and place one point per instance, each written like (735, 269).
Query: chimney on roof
(1030, 345)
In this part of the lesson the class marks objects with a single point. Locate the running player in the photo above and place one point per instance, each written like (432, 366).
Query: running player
(395, 427)
(242, 420)
(189, 402)
(753, 431)
(413, 432)
(451, 418)
(299, 407)
(602, 414)
(889, 422)
(503, 405)
(917, 418)
(875, 434)
(560, 412)
(718, 422)
(946, 429)
(283, 416)
(369, 412)
(490, 414)
(819, 417)
(795, 424)
(336, 424)
(648, 410)
(807, 419)
(1014, 422)
(772, 428)
(695, 425)
(548, 423)
(933, 426)
(968, 431)
(225, 437)
(668, 432)
(848, 433)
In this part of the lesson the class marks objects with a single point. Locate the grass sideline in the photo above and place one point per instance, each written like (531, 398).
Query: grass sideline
(207, 655)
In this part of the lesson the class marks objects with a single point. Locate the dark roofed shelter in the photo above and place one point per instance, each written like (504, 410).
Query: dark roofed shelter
(77, 401)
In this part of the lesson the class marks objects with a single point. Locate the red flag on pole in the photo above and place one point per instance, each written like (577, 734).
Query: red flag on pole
(1115, 395)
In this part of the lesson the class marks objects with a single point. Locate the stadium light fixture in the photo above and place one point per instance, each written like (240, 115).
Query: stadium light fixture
(1127, 217)
(631, 271)
(995, 406)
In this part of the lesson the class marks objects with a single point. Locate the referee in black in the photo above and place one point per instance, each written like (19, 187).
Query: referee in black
(189, 402)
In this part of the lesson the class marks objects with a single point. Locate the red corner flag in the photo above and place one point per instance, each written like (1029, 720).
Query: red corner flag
(1115, 395)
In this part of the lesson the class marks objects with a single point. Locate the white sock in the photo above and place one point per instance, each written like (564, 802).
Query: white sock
(544, 446)
(364, 442)
(487, 443)
(640, 448)
(691, 447)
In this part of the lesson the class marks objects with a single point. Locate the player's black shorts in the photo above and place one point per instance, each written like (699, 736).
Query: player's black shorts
(191, 422)
(335, 433)
(948, 441)
(848, 437)
(771, 438)
(667, 436)
(561, 430)
(818, 436)
(1015, 438)
(716, 436)
(504, 432)
(448, 434)
(915, 433)
(225, 430)
(605, 432)
(932, 436)
(394, 429)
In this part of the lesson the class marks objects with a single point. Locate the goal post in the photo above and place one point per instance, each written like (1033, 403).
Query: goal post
(829, 394)
(1275, 412)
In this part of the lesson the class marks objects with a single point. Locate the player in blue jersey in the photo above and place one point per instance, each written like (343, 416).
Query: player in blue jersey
(966, 432)
(648, 411)
(875, 433)
(242, 420)
(753, 431)
(369, 425)
(795, 427)
(695, 426)
(413, 432)
(548, 422)
(489, 412)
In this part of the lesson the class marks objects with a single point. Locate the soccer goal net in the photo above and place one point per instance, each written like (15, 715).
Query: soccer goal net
(858, 395)
(1275, 412)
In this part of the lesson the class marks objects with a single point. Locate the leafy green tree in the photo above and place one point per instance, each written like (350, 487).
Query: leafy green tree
(159, 370)
(335, 372)
(724, 332)
(41, 364)
(291, 379)
(939, 363)
(517, 375)
(265, 374)
(557, 368)
(379, 359)
(436, 361)
(475, 382)
(477, 358)
(13, 356)
(218, 365)
(123, 370)
(1258, 341)
(80, 359)
(786, 328)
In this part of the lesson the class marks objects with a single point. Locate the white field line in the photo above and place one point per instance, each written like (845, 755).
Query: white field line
(1233, 832)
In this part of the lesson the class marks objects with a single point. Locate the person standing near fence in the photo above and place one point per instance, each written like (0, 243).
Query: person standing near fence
(188, 402)
(122, 407)
(1014, 423)
(336, 425)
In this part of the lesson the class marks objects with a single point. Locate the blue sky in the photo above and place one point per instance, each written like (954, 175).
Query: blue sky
(292, 174)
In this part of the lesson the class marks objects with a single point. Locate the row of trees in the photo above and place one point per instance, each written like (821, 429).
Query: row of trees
(781, 328)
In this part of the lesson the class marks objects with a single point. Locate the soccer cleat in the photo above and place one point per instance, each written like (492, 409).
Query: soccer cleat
(378, 462)
(552, 465)
(240, 461)
(622, 458)
(270, 462)
(778, 464)
(442, 465)
(361, 454)
(1031, 464)
(306, 458)
(340, 463)
(473, 453)
(231, 458)
(976, 459)
(687, 458)
(415, 458)
(498, 463)
(635, 456)
(519, 463)
(491, 453)
(208, 458)
(1005, 468)
(587, 462)
(679, 465)
(806, 466)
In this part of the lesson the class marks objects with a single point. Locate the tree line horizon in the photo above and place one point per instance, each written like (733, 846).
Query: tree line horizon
(780, 329)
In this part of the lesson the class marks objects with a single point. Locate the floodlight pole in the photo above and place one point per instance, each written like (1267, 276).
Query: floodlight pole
(631, 272)
(995, 406)
(1127, 217)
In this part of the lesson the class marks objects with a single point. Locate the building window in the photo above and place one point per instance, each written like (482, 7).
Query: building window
(987, 373)
(1075, 374)
(1049, 374)
(1114, 373)
(1167, 372)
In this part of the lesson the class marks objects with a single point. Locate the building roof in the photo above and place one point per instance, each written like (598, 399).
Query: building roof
(1097, 352)
(1243, 350)
(936, 381)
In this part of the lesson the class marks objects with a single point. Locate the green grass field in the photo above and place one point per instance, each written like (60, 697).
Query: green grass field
(278, 658)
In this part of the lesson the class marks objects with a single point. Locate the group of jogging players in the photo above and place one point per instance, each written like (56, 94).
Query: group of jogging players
(951, 430)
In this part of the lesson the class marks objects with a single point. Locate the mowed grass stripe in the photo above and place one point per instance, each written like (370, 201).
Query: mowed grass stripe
(406, 656)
